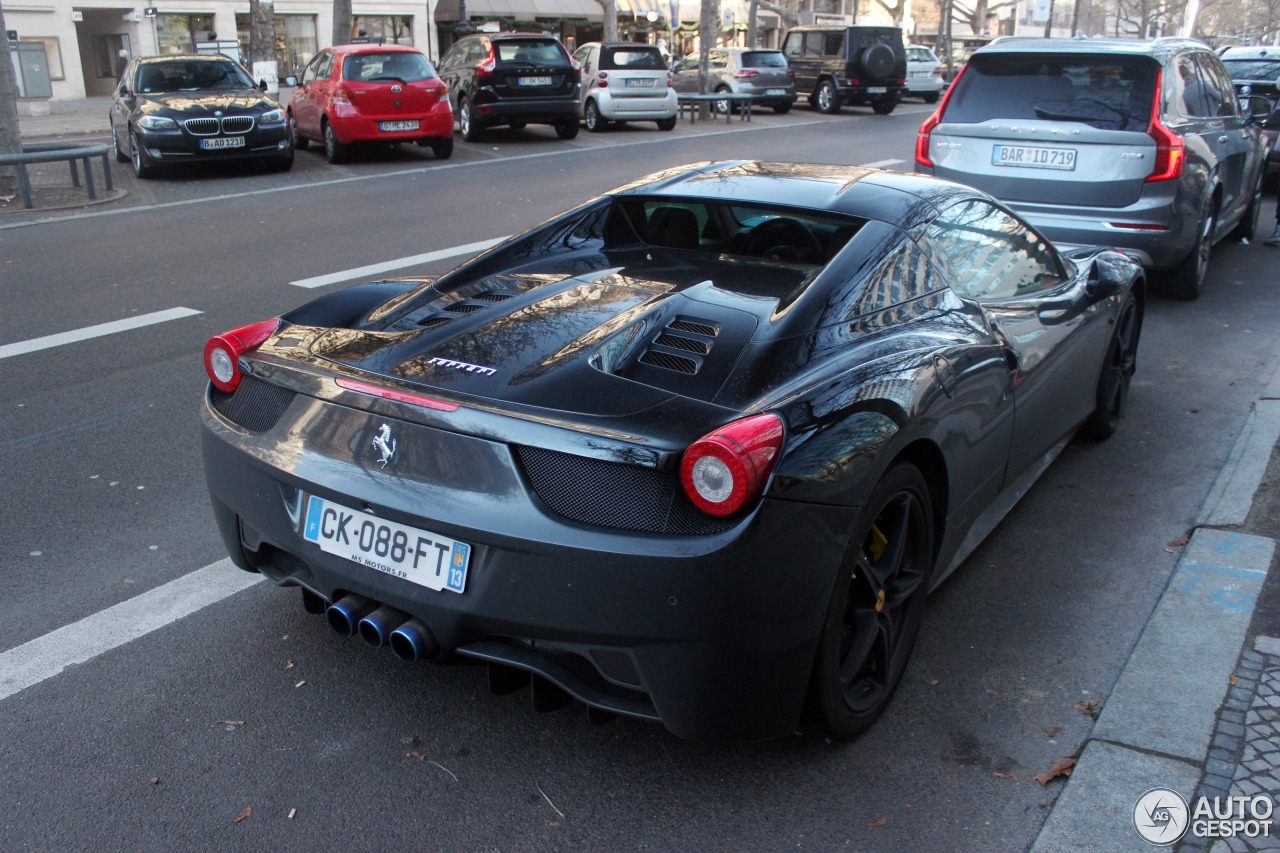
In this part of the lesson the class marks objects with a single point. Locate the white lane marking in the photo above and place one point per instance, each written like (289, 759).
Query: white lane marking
(401, 263)
(44, 657)
(882, 164)
(400, 173)
(89, 332)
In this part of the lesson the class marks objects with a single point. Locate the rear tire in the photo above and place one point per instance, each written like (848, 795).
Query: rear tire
(300, 142)
(1113, 382)
(930, 97)
(782, 109)
(667, 123)
(567, 127)
(591, 115)
(442, 147)
(884, 104)
(1186, 280)
(467, 121)
(876, 607)
(724, 106)
(827, 98)
(334, 150)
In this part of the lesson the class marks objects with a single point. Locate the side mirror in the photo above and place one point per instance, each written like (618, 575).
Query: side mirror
(1259, 108)
(291, 81)
(124, 92)
(262, 85)
(1104, 280)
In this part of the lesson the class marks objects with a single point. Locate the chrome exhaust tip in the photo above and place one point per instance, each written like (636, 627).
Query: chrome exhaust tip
(344, 615)
(413, 641)
(375, 629)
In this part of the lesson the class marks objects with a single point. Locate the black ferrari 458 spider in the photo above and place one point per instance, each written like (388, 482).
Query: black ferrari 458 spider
(694, 451)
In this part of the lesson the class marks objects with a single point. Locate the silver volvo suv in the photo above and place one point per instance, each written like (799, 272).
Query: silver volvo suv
(1140, 145)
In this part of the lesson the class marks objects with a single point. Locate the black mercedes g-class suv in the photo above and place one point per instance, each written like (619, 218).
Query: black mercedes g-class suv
(848, 65)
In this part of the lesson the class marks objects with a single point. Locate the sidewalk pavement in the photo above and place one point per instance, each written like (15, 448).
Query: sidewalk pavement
(1194, 711)
(83, 116)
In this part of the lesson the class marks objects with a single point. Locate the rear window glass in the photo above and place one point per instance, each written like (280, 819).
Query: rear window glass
(1252, 69)
(1105, 91)
(529, 50)
(632, 58)
(763, 59)
(770, 234)
(405, 67)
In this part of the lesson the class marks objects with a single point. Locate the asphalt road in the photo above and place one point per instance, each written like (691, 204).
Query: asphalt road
(161, 743)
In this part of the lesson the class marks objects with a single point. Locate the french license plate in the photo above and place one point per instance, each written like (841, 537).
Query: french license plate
(775, 91)
(533, 81)
(399, 125)
(222, 142)
(419, 556)
(637, 83)
(876, 90)
(1033, 157)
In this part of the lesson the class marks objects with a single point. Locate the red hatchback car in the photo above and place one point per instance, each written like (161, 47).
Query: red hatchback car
(371, 93)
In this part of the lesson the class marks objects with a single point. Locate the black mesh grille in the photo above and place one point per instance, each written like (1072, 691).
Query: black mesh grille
(429, 322)
(254, 405)
(494, 297)
(667, 361)
(696, 328)
(463, 308)
(612, 494)
(686, 344)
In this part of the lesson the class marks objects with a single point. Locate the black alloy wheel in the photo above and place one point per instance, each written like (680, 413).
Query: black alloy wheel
(1117, 371)
(141, 160)
(121, 157)
(827, 98)
(877, 606)
(591, 115)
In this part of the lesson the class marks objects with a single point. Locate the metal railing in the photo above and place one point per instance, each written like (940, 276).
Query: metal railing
(51, 152)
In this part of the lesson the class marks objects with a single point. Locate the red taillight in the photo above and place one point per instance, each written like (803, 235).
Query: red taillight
(485, 68)
(398, 396)
(852, 81)
(343, 97)
(602, 79)
(791, 72)
(745, 73)
(1170, 151)
(1138, 226)
(222, 352)
(922, 137)
(727, 468)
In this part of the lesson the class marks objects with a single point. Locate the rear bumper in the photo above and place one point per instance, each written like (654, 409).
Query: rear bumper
(631, 108)
(917, 85)
(713, 635)
(489, 111)
(855, 94)
(354, 126)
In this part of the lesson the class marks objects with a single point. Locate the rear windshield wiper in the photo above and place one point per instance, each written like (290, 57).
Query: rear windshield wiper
(389, 77)
(1121, 116)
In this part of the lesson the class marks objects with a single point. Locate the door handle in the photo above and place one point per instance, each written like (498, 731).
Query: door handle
(1223, 138)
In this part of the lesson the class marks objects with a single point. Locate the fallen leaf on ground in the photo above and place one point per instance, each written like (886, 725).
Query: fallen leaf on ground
(933, 683)
(1233, 679)
(1179, 542)
(993, 693)
(289, 665)
(248, 810)
(1013, 776)
(1053, 732)
(881, 822)
(1089, 707)
(1060, 767)
(417, 755)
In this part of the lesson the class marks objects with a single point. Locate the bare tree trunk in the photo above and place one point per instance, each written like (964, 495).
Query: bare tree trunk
(262, 43)
(10, 141)
(610, 19)
(708, 29)
(341, 21)
(944, 36)
(751, 23)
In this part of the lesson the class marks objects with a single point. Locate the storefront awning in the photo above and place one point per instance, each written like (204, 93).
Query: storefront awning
(523, 10)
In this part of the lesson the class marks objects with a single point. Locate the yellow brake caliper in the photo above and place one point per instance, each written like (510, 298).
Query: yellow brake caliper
(877, 545)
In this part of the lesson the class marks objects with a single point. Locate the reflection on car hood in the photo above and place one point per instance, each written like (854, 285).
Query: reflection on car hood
(200, 103)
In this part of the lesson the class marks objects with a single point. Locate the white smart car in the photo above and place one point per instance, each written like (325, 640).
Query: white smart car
(625, 82)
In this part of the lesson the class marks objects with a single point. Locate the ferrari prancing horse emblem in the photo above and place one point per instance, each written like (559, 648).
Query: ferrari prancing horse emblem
(384, 444)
